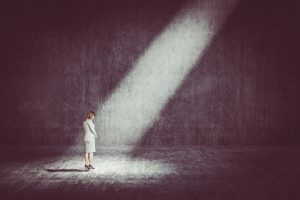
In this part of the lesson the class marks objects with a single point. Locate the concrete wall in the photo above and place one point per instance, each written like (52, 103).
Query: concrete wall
(60, 59)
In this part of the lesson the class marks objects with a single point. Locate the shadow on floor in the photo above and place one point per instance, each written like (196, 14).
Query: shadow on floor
(66, 170)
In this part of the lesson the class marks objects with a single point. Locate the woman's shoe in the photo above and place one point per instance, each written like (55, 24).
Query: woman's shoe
(87, 167)
(91, 167)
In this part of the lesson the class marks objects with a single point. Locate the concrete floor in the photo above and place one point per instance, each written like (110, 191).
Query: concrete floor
(207, 173)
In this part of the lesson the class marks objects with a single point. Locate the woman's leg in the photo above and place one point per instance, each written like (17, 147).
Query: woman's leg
(91, 158)
(86, 158)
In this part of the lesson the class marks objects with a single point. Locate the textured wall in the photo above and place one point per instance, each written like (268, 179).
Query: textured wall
(245, 89)
(60, 59)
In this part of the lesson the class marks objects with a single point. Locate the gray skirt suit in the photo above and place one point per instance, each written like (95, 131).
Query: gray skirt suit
(89, 135)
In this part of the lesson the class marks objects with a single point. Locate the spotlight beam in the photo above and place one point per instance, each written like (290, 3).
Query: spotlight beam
(160, 70)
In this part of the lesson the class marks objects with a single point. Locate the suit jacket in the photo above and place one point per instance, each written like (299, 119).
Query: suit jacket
(89, 128)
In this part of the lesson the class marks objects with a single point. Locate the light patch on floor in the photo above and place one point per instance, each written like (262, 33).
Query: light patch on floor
(112, 169)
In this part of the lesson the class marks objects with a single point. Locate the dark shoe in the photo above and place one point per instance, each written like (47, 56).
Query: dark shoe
(91, 167)
(87, 167)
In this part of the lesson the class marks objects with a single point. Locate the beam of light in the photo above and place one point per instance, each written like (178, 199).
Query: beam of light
(160, 70)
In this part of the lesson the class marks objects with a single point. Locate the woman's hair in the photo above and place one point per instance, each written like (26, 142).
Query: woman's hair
(89, 114)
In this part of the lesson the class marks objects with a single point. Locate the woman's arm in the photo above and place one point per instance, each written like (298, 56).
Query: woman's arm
(92, 128)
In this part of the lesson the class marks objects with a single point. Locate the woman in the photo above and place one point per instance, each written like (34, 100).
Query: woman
(89, 140)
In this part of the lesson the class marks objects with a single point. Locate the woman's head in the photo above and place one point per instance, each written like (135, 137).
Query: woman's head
(91, 115)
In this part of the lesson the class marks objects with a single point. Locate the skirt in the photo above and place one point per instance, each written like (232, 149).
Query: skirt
(89, 144)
